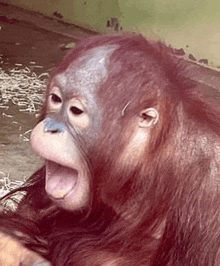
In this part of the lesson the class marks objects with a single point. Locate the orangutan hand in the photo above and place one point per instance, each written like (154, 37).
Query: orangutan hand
(13, 253)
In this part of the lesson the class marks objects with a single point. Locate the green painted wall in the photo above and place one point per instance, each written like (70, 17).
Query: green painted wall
(189, 24)
(91, 14)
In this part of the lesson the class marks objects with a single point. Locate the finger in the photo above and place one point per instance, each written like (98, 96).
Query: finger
(13, 253)
(42, 263)
(30, 258)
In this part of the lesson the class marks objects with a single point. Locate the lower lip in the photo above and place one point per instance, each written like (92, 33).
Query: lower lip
(60, 180)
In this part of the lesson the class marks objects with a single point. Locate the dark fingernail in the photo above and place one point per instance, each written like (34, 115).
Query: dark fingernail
(42, 263)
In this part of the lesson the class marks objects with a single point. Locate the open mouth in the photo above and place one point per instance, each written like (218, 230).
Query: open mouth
(60, 180)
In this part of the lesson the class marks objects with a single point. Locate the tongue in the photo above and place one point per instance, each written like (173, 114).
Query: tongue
(60, 180)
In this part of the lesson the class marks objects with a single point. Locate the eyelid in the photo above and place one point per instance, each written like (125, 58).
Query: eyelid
(54, 100)
(78, 103)
(56, 90)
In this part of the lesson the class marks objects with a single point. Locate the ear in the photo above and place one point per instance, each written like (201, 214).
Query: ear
(148, 117)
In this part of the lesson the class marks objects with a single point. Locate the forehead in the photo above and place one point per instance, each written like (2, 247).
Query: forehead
(85, 74)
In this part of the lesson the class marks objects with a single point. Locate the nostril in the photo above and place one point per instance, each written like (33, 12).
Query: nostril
(57, 130)
(51, 126)
(54, 131)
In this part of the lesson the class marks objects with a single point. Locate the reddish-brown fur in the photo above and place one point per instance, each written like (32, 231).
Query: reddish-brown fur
(163, 209)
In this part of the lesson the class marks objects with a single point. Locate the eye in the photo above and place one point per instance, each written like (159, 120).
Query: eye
(78, 113)
(75, 110)
(55, 98)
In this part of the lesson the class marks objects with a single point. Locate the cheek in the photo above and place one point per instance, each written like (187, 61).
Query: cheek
(57, 147)
(134, 150)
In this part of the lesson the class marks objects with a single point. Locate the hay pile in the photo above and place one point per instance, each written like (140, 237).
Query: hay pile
(23, 88)
(7, 185)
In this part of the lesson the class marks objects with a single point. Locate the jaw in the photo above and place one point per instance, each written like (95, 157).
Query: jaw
(67, 187)
(60, 180)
